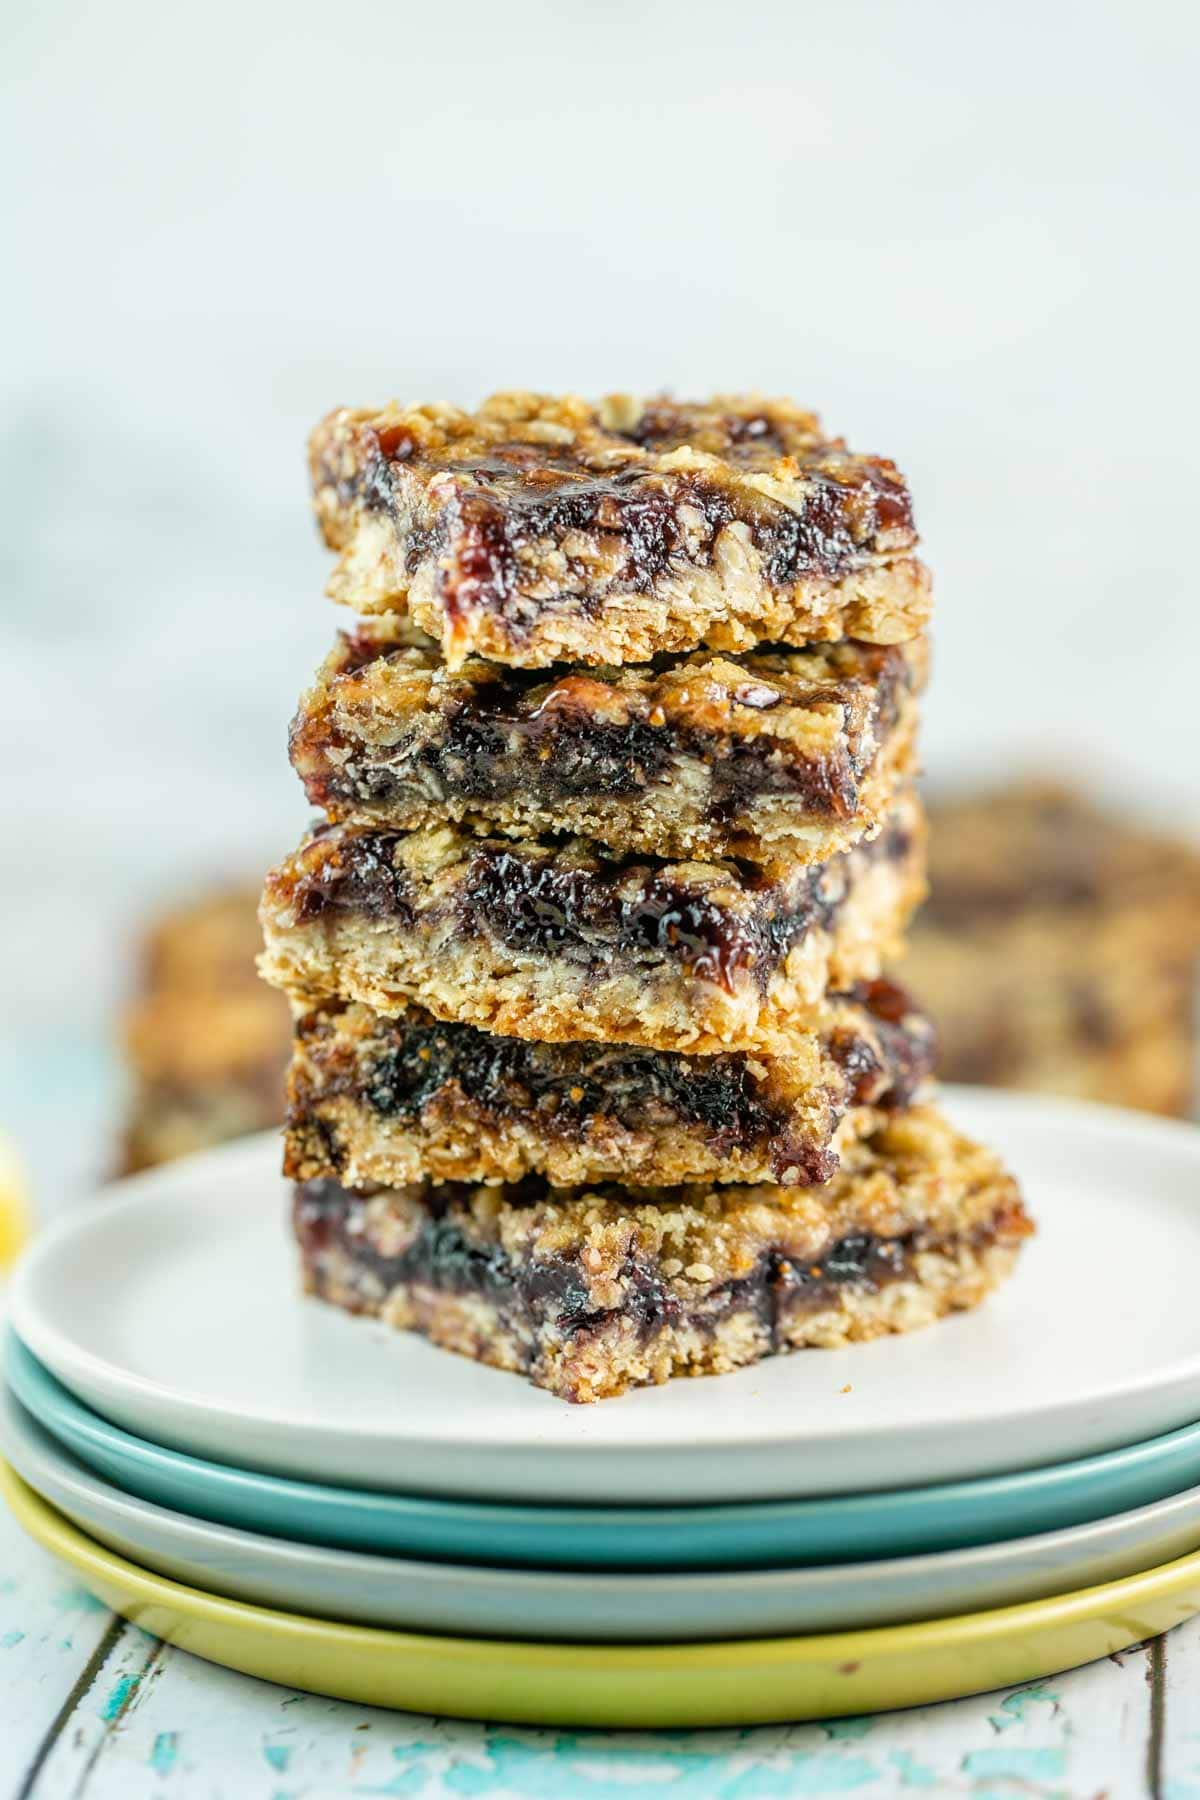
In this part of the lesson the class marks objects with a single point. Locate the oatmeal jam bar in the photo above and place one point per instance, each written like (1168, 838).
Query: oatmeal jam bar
(787, 752)
(554, 941)
(590, 1291)
(167, 1121)
(384, 1101)
(541, 530)
(1058, 951)
(206, 1043)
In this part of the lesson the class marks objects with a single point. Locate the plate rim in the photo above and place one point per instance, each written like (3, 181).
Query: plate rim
(288, 1549)
(715, 1512)
(628, 1686)
(1104, 1598)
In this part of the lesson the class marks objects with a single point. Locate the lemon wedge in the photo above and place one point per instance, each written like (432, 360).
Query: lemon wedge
(14, 1205)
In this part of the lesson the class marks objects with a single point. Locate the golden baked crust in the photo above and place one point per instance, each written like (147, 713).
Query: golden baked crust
(540, 530)
(375, 1101)
(591, 1291)
(795, 753)
(555, 941)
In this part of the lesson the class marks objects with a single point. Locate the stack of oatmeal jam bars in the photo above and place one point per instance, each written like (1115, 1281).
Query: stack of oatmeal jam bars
(595, 1073)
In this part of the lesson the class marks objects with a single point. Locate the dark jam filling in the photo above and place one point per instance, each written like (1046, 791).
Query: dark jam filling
(359, 876)
(519, 496)
(493, 747)
(666, 426)
(577, 755)
(552, 740)
(537, 904)
(325, 1216)
(540, 907)
(443, 1256)
(889, 1067)
(566, 1089)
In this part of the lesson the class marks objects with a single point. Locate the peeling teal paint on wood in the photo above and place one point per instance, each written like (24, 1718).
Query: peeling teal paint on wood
(166, 1749)
(76, 1598)
(1013, 1710)
(582, 1768)
(913, 1774)
(1016, 1765)
(120, 1695)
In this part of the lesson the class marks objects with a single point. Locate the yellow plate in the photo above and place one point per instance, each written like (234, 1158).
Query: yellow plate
(751, 1682)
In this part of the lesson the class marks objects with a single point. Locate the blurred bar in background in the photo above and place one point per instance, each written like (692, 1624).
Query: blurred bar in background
(207, 1042)
(1057, 951)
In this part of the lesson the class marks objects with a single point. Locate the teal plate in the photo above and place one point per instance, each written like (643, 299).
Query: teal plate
(762, 1535)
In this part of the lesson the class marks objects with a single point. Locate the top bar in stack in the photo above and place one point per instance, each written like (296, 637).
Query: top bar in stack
(541, 530)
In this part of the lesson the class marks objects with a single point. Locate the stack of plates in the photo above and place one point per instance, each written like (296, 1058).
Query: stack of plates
(308, 1498)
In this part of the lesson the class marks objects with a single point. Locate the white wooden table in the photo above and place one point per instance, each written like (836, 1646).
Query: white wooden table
(93, 1709)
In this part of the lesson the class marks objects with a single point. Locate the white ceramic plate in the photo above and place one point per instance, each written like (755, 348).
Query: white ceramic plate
(170, 1305)
(471, 1600)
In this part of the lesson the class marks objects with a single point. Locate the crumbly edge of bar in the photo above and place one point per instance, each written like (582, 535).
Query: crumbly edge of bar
(605, 1355)
(555, 434)
(671, 819)
(616, 1359)
(918, 1172)
(379, 676)
(521, 994)
(678, 812)
(541, 468)
(349, 1142)
(727, 607)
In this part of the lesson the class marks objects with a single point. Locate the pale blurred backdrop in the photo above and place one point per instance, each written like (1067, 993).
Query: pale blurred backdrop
(966, 234)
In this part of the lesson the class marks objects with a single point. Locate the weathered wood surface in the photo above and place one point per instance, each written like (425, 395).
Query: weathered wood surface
(92, 1709)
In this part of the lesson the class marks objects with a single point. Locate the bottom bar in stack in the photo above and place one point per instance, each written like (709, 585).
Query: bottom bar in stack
(593, 1290)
